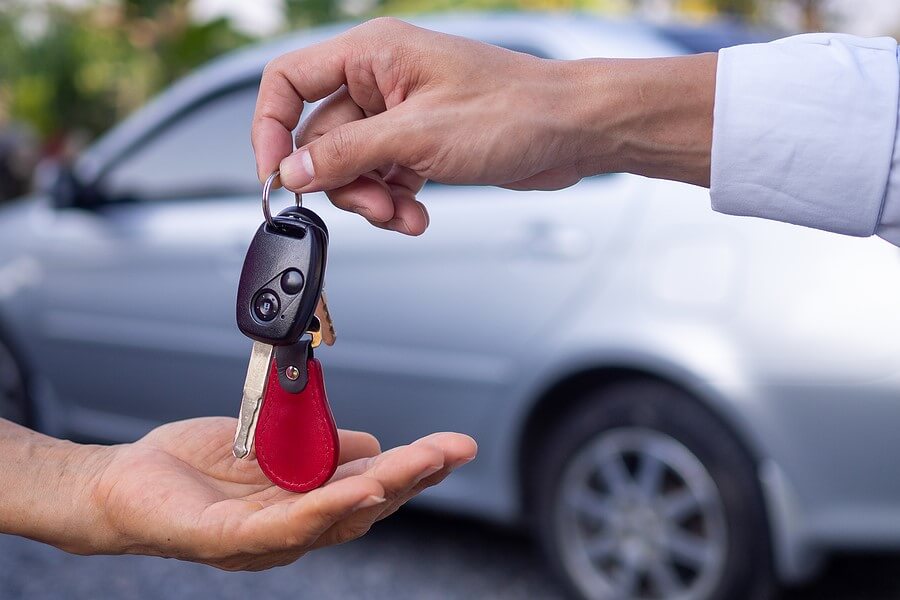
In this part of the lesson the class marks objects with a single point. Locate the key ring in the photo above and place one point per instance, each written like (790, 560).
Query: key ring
(267, 189)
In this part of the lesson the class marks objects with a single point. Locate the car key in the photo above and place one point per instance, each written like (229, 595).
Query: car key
(284, 409)
(322, 329)
(254, 389)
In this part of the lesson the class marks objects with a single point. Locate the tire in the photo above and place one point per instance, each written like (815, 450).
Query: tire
(13, 396)
(641, 493)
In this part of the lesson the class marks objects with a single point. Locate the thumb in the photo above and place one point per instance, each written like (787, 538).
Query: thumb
(342, 154)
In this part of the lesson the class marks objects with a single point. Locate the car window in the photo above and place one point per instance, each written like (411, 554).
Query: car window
(712, 38)
(205, 151)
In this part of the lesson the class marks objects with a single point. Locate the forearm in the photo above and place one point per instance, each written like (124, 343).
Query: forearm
(46, 489)
(650, 117)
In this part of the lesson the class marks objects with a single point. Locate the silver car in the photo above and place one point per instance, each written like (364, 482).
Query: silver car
(678, 404)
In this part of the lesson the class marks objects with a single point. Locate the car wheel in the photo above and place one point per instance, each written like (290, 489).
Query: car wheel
(13, 400)
(641, 493)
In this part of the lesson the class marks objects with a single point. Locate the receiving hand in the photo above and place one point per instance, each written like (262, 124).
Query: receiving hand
(179, 492)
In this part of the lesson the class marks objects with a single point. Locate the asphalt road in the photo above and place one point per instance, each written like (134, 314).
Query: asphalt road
(413, 555)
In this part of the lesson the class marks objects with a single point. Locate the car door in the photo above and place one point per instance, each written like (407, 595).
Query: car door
(138, 305)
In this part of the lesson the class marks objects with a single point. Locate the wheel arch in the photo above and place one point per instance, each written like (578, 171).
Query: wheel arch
(794, 560)
(568, 390)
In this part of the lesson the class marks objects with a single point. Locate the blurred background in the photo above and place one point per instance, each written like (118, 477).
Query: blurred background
(669, 403)
(70, 69)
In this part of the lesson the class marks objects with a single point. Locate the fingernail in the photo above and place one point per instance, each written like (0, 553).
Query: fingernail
(297, 169)
(369, 502)
(425, 214)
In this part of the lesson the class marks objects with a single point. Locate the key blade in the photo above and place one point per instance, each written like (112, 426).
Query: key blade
(251, 402)
(326, 325)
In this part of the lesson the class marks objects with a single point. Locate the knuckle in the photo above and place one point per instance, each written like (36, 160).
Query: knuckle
(339, 146)
(272, 67)
(385, 31)
(352, 532)
(325, 512)
(286, 67)
(386, 24)
(373, 442)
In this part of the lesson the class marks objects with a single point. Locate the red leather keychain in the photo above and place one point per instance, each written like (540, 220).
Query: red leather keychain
(281, 306)
(297, 443)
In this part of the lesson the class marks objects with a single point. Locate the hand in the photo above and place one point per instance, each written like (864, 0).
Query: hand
(179, 492)
(404, 104)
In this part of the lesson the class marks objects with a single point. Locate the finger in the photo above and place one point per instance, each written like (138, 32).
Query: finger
(398, 470)
(357, 444)
(367, 195)
(334, 111)
(397, 466)
(389, 508)
(310, 74)
(410, 215)
(300, 523)
(344, 153)
(405, 177)
(401, 471)
(458, 450)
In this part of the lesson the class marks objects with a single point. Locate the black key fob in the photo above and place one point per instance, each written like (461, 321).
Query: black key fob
(282, 277)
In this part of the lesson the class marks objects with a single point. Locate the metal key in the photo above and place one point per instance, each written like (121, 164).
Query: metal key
(251, 402)
(323, 327)
(278, 295)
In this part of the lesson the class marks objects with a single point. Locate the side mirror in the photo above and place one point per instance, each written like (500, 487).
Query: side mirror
(68, 191)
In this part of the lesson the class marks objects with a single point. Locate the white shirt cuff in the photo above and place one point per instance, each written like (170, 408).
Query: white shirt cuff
(804, 132)
(889, 226)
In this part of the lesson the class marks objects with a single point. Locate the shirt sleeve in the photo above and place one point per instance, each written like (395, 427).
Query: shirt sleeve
(805, 132)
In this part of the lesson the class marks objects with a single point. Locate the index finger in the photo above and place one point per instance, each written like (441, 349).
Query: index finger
(308, 74)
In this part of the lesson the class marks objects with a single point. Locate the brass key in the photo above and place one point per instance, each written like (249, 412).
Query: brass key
(322, 329)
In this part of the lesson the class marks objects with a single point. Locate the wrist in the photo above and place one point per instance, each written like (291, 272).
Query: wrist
(89, 531)
(49, 490)
(650, 117)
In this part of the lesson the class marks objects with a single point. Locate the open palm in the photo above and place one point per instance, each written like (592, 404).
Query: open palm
(179, 492)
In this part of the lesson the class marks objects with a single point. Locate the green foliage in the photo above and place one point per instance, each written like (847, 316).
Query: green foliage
(84, 67)
(195, 45)
(417, 6)
(307, 13)
(743, 8)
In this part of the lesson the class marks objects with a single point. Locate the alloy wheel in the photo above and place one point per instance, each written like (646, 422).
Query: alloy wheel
(639, 517)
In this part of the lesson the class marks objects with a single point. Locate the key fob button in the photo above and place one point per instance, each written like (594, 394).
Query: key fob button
(292, 282)
(266, 305)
